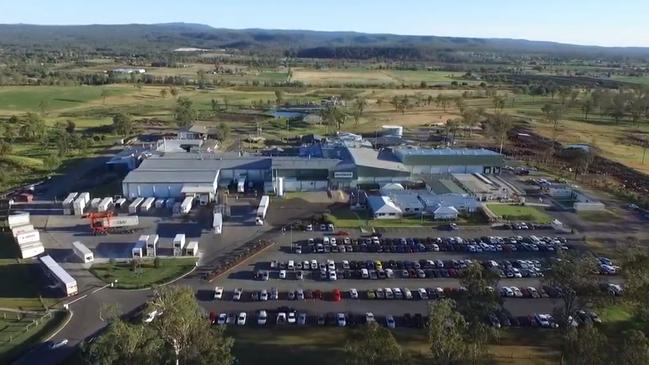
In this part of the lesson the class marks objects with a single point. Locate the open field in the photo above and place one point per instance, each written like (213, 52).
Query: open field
(347, 218)
(326, 346)
(519, 213)
(369, 76)
(145, 275)
(15, 338)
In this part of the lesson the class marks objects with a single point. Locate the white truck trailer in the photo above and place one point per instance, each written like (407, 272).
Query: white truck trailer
(138, 249)
(192, 248)
(67, 203)
(159, 203)
(186, 205)
(62, 278)
(82, 252)
(119, 203)
(94, 203)
(27, 237)
(132, 208)
(79, 205)
(31, 249)
(152, 245)
(18, 219)
(179, 244)
(22, 229)
(262, 210)
(217, 224)
(147, 204)
(105, 204)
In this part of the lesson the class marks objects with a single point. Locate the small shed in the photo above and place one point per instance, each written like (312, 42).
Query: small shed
(445, 213)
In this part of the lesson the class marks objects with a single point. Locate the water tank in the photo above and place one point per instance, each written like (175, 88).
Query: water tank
(392, 130)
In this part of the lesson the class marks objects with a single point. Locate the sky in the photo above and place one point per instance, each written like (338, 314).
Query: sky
(589, 22)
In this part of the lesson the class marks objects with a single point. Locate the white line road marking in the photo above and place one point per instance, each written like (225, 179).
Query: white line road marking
(76, 300)
(61, 328)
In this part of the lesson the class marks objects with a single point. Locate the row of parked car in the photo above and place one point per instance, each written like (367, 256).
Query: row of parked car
(388, 269)
(344, 244)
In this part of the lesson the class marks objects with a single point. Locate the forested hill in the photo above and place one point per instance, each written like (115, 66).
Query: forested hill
(164, 37)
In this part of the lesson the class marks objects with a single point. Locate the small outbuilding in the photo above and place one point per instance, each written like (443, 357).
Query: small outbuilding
(445, 213)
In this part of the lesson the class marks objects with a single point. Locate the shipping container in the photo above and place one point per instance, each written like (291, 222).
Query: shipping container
(26, 237)
(67, 203)
(79, 205)
(186, 205)
(62, 278)
(18, 219)
(159, 203)
(138, 249)
(105, 204)
(85, 196)
(147, 204)
(119, 203)
(179, 244)
(31, 249)
(121, 221)
(217, 223)
(82, 252)
(152, 245)
(192, 248)
(94, 203)
(22, 229)
(134, 205)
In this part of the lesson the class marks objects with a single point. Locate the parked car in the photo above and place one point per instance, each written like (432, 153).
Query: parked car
(241, 319)
(218, 293)
(262, 317)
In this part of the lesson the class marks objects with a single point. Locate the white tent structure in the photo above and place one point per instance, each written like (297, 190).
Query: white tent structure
(445, 213)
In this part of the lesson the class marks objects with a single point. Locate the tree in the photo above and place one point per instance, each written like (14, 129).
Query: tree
(33, 127)
(635, 270)
(122, 124)
(553, 114)
(470, 118)
(333, 116)
(498, 125)
(581, 159)
(498, 102)
(618, 106)
(222, 131)
(163, 93)
(51, 162)
(585, 346)
(124, 343)
(372, 344)
(174, 91)
(70, 126)
(572, 275)
(635, 349)
(446, 329)
(587, 107)
(279, 97)
(184, 112)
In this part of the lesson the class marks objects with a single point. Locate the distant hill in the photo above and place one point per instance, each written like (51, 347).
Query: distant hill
(164, 37)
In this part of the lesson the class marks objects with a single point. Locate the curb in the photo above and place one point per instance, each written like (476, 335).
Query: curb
(61, 327)
(242, 262)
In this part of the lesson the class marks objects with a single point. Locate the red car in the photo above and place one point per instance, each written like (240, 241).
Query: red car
(336, 295)
(212, 317)
(341, 233)
(317, 294)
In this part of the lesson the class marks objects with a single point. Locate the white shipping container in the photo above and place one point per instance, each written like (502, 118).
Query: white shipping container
(94, 203)
(121, 221)
(22, 229)
(159, 203)
(67, 203)
(105, 204)
(186, 205)
(134, 205)
(79, 206)
(147, 204)
(18, 219)
(151, 245)
(27, 237)
(217, 224)
(192, 248)
(85, 197)
(82, 252)
(138, 249)
(31, 250)
(119, 203)
(179, 241)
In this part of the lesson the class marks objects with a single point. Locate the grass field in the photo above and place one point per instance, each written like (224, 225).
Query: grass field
(599, 217)
(519, 213)
(325, 346)
(28, 99)
(347, 218)
(144, 276)
(15, 338)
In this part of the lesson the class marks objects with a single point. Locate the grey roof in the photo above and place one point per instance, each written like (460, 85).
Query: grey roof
(301, 163)
(168, 176)
(206, 161)
(448, 156)
(368, 157)
(415, 151)
(381, 204)
(405, 199)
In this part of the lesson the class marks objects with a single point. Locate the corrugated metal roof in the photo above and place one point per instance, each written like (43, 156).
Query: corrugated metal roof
(368, 157)
(448, 156)
(382, 204)
(169, 176)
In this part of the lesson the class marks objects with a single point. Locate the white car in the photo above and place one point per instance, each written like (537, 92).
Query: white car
(407, 293)
(263, 295)
(341, 320)
(151, 316)
(314, 264)
(282, 274)
(241, 319)
(281, 318)
(517, 292)
(291, 318)
(262, 317)
(390, 322)
(506, 291)
(222, 319)
(369, 317)
(218, 293)
(331, 265)
(56, 345)
(237, 294)
(388, 293)
(353, 293)
(398, 294)
(333, 276)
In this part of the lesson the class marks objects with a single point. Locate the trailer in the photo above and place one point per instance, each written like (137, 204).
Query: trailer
(18, 219)
(179, 244)
(27, 237)
(262, 210)
(134, 205)
(82, 252)
(138, 249)
(217, 223)
(192, 248)
(22, 229)
(105, 204)
(119, 203)
(186, 205)
(62, 278)
(31, 249)
(241, 184)
(152, 245)
(94, 203)
(85, 196)
(147, 204)
(79, 205)
(67, 203)
(159, 203)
